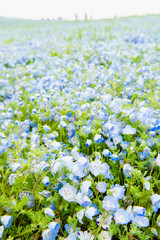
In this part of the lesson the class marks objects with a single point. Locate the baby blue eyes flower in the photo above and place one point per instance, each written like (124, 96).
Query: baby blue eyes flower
(46, 181)
(80, 215)
(118, 191)
(46, 128)
(98, 138)
(104, 235)
(56, 146)
(110, 203)
(49, 212)
(11, 179)
(122, 217)
(6, 220)
(127, 170)
(105, 222)
(114, 157)
(94, 167)
(155, 202)
(85, 235)
(88, 142)
(101, 187)
(140, 211)
(83, 200)
(128, 130)
(68, 192)
(1, 231)
(90, 212)
(15, 166)
(106, 153)
(157, 161)
(141, 221)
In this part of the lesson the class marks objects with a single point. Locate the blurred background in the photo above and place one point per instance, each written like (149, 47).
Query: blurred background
(76, 9)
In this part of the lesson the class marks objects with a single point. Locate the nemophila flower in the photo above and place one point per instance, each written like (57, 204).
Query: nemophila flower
(101, 187)
(85, 235)
(46, 181)
(147, 185)
(45, 193)
(30, 203)
(155, 202)
(140, 211)
(114, 157)
(118, 191)
(94, 167)
(106, 153)
(109, 144)
(85, 187)
(128, 130)
(80, 215)
(98, 138)
(11, 179)
(104, 235)
(117, 139)
(68, 192)
(91, 211)
(105, 170)
(2, 150)
(2, 135)
(157, 161)
(83, 199)
(125, 144)
(140, 221)
(56, 146)
(49, 212)
(15, 166)
(110, 203)
(88, 142)
(46, 128)
(121, 216)
(105, 222)
(6, 220)
(72, 236)
(48, 235)
(127, 170)
(146, 151)
(1, 231)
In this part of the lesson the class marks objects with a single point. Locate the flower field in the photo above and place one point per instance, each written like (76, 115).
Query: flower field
(80, 129)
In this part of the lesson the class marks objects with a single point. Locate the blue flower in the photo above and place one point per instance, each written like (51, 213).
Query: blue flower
(156, 202)
(110, 203)
(128, 130)
(118, 191)
(68, 192)
(127, 170)
(1, 231)
(98, 138)
(49, 212)
(106, 153)
(121, 216)
(6, 220)
(141, 221)
(46, 128)
(46, 181)
(101, 187)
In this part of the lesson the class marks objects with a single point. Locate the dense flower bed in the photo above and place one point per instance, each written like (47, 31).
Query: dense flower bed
(79, 129)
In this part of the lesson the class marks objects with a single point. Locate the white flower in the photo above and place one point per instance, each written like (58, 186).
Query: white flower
(105, 235)
(68, 192)
(11, 178)
(85, 235)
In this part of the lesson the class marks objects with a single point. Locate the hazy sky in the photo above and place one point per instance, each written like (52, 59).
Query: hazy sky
(37, 9)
